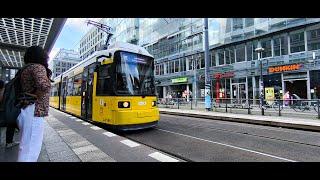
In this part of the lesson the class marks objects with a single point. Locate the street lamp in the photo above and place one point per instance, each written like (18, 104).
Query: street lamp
(259, 50)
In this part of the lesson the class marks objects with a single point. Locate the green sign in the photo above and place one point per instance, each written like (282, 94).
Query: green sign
(179, 80)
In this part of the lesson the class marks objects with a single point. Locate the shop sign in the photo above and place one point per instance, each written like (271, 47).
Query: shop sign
(285, 68)
(179, 80)
(226, 75)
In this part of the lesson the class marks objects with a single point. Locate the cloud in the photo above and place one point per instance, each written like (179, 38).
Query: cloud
(80, 24)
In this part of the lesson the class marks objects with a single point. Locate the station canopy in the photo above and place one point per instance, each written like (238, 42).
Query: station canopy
(17, 34)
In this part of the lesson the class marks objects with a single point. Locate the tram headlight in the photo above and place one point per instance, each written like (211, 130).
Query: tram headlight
(154, 103)
(124, 104)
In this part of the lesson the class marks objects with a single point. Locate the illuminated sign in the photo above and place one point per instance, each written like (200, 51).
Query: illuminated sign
(179, 80)
(285, 68)
(226, 75)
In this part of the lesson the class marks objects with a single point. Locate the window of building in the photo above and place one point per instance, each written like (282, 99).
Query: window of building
(251, 54)
(228, 25)
(313, 39)
(240, 52)
(249, 22)
(227, 55)
(237, 23)
(161, 69)
(157, 69)
(220, 53)
(297, 42)
(176, 66)
(212, 56)
(280, 45)
(183, 64)
(171, 70)
(266, 44)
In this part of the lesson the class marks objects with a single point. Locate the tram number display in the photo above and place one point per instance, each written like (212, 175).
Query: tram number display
(142, 103)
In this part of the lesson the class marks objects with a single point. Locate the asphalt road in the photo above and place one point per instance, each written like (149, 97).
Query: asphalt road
(203, 140)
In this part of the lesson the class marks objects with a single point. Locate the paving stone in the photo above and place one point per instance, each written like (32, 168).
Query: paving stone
(85, 149)
(95, 156)
(60, 154)
(79, 144)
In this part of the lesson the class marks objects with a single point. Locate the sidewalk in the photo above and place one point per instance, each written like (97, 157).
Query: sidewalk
(297, 123)
(69, 139)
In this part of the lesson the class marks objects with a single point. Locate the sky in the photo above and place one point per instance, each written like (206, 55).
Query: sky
(72, 32)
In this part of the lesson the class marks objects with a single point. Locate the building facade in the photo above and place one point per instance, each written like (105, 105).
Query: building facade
(290, 58)
(62, 61)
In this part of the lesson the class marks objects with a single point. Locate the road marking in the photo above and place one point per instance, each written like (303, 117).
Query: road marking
(95, 127)
(130, 143)
(163, 158)
(109, 134)
(72, 117)
(85, 123)
(78, 120)
(269, 155)
(68, 115)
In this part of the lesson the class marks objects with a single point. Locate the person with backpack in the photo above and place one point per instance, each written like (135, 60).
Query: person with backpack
(35, 81)
(10, 128)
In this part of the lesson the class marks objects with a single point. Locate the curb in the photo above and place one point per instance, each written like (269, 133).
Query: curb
(249, 121)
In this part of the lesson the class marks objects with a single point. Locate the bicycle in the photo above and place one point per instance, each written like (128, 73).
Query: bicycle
(274, 105)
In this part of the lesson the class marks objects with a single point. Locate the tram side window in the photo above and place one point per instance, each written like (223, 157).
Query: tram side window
(70, 87)
(104, 84)
(77, 85)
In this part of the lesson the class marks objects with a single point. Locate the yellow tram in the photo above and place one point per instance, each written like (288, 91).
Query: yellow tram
(115, 87)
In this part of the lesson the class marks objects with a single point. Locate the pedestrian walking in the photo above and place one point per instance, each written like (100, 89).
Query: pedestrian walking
(35, 80)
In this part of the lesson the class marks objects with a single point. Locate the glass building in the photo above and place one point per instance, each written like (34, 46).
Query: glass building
(290, 58)
(63, 61)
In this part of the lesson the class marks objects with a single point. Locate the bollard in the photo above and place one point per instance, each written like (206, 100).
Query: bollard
(318, 109)
(249, 106)
(226, 105)
(279, 107)
(178, 102)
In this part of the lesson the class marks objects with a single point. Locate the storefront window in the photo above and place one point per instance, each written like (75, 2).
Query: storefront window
(315, 84)
(273, 81)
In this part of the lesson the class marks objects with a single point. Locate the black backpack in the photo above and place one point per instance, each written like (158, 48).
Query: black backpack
(9, 112)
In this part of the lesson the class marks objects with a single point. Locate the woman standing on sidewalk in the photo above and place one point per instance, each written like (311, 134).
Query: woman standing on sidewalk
(35, 79)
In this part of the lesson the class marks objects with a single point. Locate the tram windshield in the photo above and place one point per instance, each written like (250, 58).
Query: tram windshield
(135, 75)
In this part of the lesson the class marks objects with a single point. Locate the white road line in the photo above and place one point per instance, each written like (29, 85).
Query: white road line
(85, 123)
(163, 158)
(78, 120)
(109, 134)
(269, 155)
(68, 115)
(72, 117)
(130, 143)
(95, 127)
